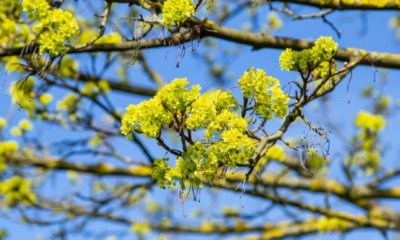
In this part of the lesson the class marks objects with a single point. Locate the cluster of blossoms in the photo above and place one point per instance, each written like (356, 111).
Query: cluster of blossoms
(368, 154)
(7, 149)
(12, 32)
(316, 62)
(270, 100)
(369, 122)
(17, 190)
(23, 93)
(55, 27)
(223, 139)
(176, 12)
(309, 59)
(23, 127)
(213, 135)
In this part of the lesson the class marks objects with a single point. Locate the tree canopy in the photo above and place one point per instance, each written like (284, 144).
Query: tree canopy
(198, 119)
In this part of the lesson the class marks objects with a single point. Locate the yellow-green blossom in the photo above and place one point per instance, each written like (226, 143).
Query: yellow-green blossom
(369, 121)
(22, 93)
(314, 160)
(68, 66)
(141, 228)
(176, 12)
(147, 117)
(306, 60)
(16, 131)
(3, 123)
(176, 96)
(225, 121)
(17, 190)
(275, 152)
(273, 21)
(270, 100)
(205, 109)
(25, 125)
(235, 147)
(45, 98)
(8, 148)
(159, 171)
(55, 27)
(36, 9)
(69, 103)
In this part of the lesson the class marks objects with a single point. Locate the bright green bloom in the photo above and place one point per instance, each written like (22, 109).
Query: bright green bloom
(55, 27)
(270, 100)
(16, 131)
(68, 66)
(3, 123)
(36, 9)
(147, 118)
(369, 121)
(314, 160)
(275, 152)
(159, 171)
(25, 125)
(226, 121)
(45, 98)
(95, 88)
(308, 59)
(273, 21)
(235, 147)
(69, 103)
(17, 189)
(22, 93)
(8, 148)
(206, 108)
(176, 96)
(176, 12)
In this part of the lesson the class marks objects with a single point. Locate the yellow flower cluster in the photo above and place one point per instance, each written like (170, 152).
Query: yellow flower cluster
(22, 93)
(69, 104)
(368, 154)
(273, 21)
(147, 118)
(17, 190)
(23, 127)
(150, 116)
(95, 88)
(225, 142)
(7, 149)
(176, 12)
(270, 100)
(55, 27)
(3, 123)
(315, 161)
(13, 32)
(308, 59)
(206, 108)
(365, 120)
(225, 121)
(45, 98)
(276, 153)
